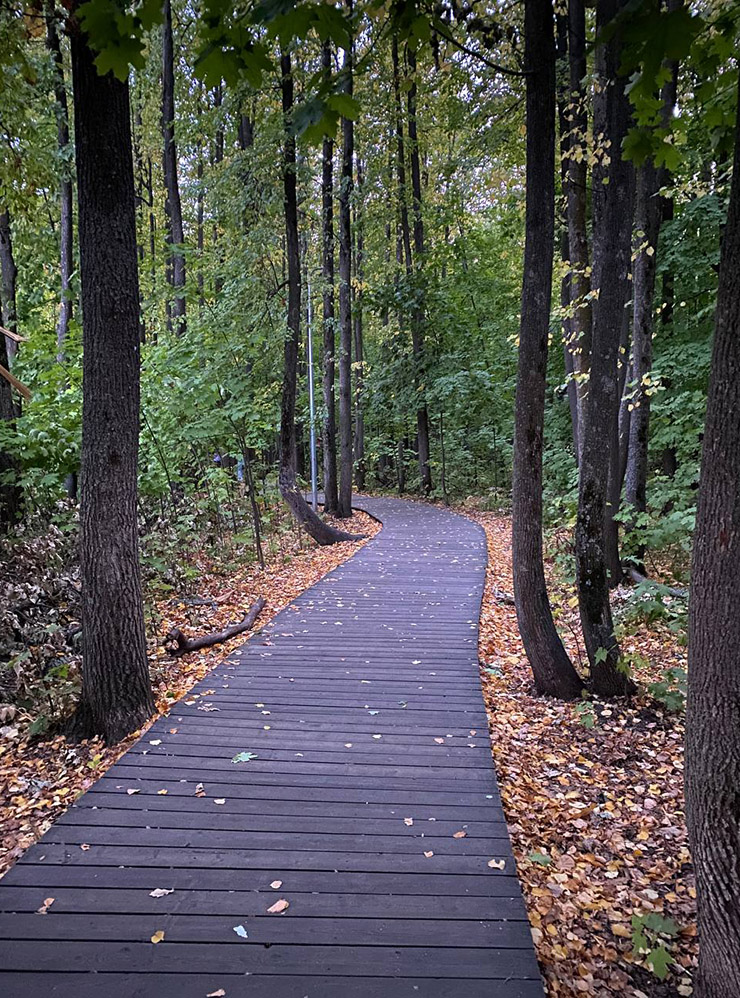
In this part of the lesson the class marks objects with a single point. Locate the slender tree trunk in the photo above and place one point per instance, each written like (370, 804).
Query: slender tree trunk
(713, 711)
(418, 318)
(65, 193)
(650, 211)
(8, 282)
(552, 669)
(329, 428)
(616, 464)
(359, 262)
(321, 532)
(577, 191)
(564, 125)
(173, 207)
(116, 691)
(10, 492)
(647, 224)
(344, 508)
(612, 232)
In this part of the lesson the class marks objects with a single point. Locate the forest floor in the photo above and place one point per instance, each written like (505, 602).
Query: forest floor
(40, 778)
(593, 795)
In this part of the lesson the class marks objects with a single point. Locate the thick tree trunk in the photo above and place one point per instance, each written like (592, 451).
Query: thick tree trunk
(66, 246)
(552, 669)
(612, 232)
(577, 192)
(172, 205)
(344, 507)
(329, 428)
(116, 692)
(418, 318)
(8, 282)
(713, 713)
(359, 264)
(321, 532)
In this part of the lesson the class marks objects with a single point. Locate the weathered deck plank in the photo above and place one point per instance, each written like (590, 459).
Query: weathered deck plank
(361, 703)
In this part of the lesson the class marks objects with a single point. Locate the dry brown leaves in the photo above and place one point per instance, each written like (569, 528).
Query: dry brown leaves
(40, 780)
(595, 814)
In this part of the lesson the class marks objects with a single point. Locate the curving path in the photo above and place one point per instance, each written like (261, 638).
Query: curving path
(361, 705)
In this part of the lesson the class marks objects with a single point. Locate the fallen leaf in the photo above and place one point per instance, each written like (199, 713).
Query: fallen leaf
(162, 792)
(244, 757)
(200, 790)
(158, 937)
(219, 800)
(160, 892)
(279, 906)
(408, 821)
(497, 864)
(276, 884)
(216, 994)
(459, 835)
(45, 906)
(241, 931)
(133, 790)
(85, 846)
(429, 854)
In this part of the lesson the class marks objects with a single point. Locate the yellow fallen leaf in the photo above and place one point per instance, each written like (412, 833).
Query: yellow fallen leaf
(158, 936)
(459, 835)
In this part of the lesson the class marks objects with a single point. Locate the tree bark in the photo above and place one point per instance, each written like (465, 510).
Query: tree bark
(329, 428)
(344, 508)
(116, 691)
(713, 709)
(66, 246)
(8, 282)
(553, 672)
(650, 211)
(321, 532)
(418, 317)
(172, 205)
(577, 194)
(612, 233)
(359, 264)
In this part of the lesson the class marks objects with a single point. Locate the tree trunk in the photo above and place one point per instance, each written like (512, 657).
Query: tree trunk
(344, 508)
(321, 532)
(612, 232)
(577, 191)
(116, 691)
(650, 211)
(10, 492)
(65, 193)
(552, 669)
(329, 428)
(359, 262)
(8, 281)
(713, 710)
(172, 206)
(418, 317)
(616, 465)
(647, 224)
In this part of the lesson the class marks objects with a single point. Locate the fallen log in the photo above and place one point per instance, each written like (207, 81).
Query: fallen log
(638, 578)
(178, 644)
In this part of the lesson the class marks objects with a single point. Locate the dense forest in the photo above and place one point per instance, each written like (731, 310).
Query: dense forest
(482, 254)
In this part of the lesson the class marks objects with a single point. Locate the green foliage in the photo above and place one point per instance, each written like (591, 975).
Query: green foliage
(671, 689)
(648, 941)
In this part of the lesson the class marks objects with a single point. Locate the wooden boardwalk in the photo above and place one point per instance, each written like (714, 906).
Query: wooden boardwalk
(361, 708)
